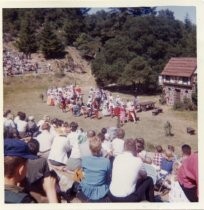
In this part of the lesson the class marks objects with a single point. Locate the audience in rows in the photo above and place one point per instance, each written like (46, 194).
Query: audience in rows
(113, 168)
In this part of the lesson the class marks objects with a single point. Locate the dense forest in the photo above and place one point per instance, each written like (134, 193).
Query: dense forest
(126, 46)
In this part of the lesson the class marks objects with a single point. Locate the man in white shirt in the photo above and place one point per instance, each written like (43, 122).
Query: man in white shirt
(60, 149)
(74, 160)
(129, 180)
(8, 121)
(45, 139)
(118, 142)
(21, 124)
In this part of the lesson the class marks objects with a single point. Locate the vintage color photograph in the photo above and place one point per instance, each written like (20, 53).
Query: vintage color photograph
(100, 105)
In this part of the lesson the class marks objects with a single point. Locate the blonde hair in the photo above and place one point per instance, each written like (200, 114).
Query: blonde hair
(95, 146)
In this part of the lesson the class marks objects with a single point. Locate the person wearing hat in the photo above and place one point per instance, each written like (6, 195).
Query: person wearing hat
(16, 155)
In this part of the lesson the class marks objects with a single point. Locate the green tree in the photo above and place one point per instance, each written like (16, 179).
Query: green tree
(135, 71)
(74, 24)
(87, 45)
(50, 45)
(26, 42)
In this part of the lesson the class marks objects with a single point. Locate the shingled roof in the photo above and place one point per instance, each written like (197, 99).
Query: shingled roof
(183, 67)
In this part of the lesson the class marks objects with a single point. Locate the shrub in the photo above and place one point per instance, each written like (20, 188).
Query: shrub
(189, 105)
(185, 105)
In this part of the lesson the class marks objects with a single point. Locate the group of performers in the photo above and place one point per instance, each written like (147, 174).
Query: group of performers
(98, 103)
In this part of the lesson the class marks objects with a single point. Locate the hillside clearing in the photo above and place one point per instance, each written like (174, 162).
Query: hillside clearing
(24, 94)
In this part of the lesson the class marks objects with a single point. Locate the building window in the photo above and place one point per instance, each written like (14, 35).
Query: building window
(169, 88)
(168, 78)
(186, 91)
(185, 79)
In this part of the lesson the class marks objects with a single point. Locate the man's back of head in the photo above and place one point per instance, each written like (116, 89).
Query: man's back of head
(120, 133)
(130, 146)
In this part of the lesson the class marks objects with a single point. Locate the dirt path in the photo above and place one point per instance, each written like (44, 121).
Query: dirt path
(87, 77)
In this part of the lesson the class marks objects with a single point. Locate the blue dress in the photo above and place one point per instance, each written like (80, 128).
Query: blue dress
(167, 165)
(95, 184)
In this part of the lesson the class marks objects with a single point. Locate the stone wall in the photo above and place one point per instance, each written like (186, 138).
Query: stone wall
(170, 93)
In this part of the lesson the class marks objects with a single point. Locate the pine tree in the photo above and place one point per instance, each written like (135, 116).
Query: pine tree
(50, 45)
(27, 40)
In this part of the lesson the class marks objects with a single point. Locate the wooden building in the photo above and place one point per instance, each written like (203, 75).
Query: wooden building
(178, 79)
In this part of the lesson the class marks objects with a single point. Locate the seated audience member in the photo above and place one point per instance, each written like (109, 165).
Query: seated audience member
(158, 155)
(16, 155)
(74, 161)
(118, 142)
(172, 149)
(55, 124)
(37, 171)
(141, 152)
(60, 149)
(32, 128)
(188, 177)
(21, 125)
(11, 133)
(8, 122)
(46, 118)
(130, 182)
(96, 168)
(106, 146)
(176, 193)
(103, 131)
(17, 117)
(84, 146)
(37, 168)
(45, 139)
(167, 162)
(186, 151)
(6, 113)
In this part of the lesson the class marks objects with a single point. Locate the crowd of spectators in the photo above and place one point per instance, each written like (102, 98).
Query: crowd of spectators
(15, 63)
(112, 168)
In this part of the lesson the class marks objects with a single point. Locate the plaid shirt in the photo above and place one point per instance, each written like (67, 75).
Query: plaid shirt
(157, 159)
